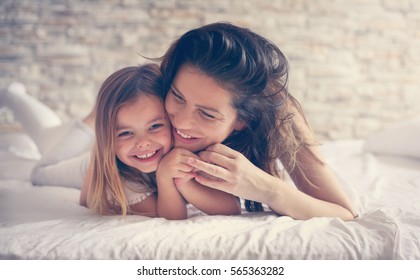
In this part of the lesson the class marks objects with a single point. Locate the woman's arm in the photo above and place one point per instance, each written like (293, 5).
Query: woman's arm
(323, 198)
(237, 175)
(318, 192)
(316, 179)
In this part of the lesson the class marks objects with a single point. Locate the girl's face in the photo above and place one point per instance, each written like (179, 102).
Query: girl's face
(200, 111)
(143, 133)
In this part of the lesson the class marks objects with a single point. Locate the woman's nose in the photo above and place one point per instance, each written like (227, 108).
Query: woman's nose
(183, 120)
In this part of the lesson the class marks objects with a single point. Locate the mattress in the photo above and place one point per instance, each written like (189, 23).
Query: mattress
(47, 222)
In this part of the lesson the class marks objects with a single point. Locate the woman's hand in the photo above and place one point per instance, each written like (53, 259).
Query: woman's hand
(230, 171)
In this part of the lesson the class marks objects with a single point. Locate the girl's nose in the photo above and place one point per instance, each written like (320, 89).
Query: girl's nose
(143, 142)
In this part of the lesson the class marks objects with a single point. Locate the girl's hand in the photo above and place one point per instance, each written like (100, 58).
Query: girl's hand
(173, 166)
(170, 202)
(229, 171)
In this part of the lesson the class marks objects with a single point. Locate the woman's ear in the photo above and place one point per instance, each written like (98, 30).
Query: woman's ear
(239, 125)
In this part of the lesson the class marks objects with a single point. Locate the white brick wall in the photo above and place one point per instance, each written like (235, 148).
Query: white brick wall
(354, 64)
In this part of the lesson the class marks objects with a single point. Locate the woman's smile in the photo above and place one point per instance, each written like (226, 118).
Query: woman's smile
(183, 137)
(200, 110)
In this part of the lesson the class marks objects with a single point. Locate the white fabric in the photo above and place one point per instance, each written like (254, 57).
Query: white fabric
(38, 120)
(48, 223)
(399, 139)
(65, 163)
(64, 148)
(135, 192)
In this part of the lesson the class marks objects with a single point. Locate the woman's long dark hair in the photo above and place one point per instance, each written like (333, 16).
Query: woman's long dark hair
(255, 71)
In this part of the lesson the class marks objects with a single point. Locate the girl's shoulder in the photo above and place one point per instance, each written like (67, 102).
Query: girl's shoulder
(136, 192)
(136, 186)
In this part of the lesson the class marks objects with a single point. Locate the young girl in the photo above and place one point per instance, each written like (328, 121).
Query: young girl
(133, 134)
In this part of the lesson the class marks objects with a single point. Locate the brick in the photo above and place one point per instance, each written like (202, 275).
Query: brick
(353, 64)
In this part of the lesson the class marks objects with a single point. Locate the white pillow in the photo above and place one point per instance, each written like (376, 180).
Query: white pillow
(399, 139)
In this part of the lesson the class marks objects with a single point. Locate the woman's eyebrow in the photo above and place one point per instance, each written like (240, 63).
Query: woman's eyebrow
(213, 110)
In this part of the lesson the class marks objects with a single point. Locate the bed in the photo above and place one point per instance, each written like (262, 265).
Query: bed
(380, 174)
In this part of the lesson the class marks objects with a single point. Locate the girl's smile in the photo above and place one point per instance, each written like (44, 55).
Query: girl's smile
(148, 157)
(143, 133)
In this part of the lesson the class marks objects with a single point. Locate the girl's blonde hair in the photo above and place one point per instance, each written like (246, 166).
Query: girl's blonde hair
(106, 192)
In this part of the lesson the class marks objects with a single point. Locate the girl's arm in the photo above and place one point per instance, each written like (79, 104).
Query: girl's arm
(208, 200)
(170, 203)
(147, 207)
(176, 175)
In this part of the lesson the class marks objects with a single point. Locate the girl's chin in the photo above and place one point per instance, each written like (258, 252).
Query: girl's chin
(147, 170)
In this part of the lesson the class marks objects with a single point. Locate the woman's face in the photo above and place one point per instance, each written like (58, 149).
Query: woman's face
(143, 133)
(200, 110)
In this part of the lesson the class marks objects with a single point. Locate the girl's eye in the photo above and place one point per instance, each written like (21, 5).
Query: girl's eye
(207, 115)
(124, 134)
(156, 126)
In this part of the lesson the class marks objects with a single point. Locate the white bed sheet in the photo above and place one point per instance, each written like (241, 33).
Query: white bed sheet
(48, 223)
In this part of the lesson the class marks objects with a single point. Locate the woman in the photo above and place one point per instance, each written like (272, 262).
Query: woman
(226, 84)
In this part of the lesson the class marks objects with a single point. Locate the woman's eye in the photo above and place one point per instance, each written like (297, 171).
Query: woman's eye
(177, 96)
(207, 115)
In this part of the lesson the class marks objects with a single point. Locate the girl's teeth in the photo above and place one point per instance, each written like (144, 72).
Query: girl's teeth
(149, 155)
(183, 135)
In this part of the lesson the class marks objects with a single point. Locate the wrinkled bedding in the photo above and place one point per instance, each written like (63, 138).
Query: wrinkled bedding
(48, 223)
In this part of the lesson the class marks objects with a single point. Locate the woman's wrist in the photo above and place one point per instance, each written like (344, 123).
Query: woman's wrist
(268, 189)
(277, 194)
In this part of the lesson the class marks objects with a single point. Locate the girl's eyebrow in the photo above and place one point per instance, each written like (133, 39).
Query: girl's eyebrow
(213, 110)
(121, 126)
(157, 119)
